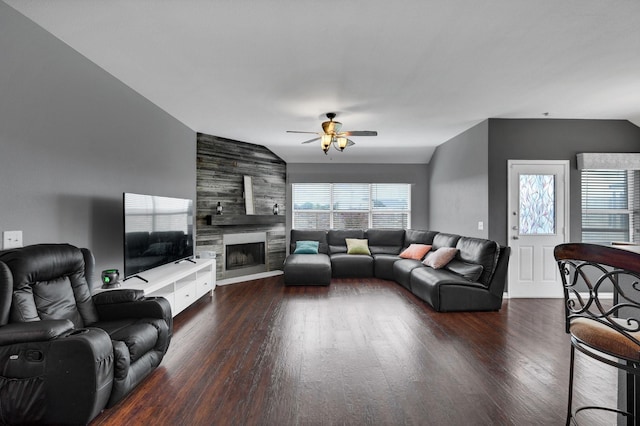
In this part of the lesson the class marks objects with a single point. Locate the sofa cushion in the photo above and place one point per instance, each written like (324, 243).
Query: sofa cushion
(439, 258)
(345, 265)
(415, 236)
(139, 335)
(387, 241)
(415, 251)
(357, 246)
(309, 235)
(383, 265)
(425, 282)
(444, 240)
(402, 271)
(482, 252)
(336, 239)
(470, 271)
(306, 247)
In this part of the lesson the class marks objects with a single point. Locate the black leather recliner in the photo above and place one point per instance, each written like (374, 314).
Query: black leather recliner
(65, 354)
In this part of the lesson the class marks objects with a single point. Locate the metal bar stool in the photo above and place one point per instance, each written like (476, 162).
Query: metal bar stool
(605, 330)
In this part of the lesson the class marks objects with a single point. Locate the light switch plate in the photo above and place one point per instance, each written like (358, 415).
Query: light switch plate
(11, 239)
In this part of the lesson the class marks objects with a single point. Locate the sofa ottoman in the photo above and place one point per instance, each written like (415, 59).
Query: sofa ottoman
(307, 269)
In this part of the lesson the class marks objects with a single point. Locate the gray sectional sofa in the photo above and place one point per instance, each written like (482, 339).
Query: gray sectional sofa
(473, 281)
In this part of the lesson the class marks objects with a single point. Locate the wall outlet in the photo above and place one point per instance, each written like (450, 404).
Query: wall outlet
(11, 239)
(481, 226)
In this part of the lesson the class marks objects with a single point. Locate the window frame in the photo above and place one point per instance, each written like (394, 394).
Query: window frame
(370, 211)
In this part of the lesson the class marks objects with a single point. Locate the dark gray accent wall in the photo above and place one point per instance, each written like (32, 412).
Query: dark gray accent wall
(415, 174)
(73, 138)
(222, 165)
(458, 177)
(549, 139)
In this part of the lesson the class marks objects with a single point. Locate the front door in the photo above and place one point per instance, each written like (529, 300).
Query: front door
(538, 220)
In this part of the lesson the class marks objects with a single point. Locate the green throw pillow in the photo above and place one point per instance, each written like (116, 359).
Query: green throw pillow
(306, 247)
(356, 246)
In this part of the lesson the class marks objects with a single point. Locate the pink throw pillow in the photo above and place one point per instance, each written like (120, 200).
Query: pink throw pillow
(415, 251)
(439, 258)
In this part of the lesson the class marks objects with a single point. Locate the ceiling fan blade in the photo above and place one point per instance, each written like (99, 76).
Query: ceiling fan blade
(360, 133)
(299, 131)
(311, 140)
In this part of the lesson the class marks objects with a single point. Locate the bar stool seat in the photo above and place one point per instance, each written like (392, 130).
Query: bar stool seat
(599, 336)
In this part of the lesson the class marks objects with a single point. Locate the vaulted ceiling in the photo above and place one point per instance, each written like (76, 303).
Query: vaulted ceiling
(417, 71)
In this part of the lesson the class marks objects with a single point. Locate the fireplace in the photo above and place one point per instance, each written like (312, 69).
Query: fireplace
(244, 254)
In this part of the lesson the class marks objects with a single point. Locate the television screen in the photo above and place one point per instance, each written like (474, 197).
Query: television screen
(157, 231)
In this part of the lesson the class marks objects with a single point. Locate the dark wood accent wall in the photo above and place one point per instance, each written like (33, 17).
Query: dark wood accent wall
(221, 167)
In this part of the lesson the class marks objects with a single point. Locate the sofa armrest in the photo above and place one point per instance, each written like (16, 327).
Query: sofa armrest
(147, 307)
(499, 279)
(34, 331)
(118, 296)
(81, 377)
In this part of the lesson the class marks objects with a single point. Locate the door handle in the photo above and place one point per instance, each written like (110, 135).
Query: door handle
(515, 237)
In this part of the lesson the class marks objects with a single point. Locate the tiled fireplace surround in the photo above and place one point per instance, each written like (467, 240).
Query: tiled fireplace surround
(221, 167)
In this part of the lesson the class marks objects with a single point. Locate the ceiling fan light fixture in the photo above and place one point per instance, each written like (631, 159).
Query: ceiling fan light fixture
(342, 143)
(332, 135)
(326, 142)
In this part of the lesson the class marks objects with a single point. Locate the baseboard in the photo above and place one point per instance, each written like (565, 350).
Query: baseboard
(604, 295)
(250, 277)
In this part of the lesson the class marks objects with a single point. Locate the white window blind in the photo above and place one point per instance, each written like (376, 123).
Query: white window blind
(311, 205)
(351, 205)
(609, 206)
(389, 204)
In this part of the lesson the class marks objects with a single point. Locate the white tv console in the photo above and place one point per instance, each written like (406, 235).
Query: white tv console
(181, 283)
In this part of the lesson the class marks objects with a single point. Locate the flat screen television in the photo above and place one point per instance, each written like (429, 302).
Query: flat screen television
(157, 231)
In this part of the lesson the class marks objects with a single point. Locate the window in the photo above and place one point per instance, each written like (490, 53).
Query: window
(609, 206)
(351, 205)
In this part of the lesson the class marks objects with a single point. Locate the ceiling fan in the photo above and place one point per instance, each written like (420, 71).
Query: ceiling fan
(331, 135)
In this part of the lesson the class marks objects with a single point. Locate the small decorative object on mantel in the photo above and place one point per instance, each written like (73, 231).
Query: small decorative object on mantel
(248, 195)
(219, 208)
(275, 208)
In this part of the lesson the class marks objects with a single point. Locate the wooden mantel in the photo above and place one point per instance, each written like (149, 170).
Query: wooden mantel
(245, 219)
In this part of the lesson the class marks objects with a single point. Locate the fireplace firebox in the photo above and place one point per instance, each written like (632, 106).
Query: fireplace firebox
(244, 254)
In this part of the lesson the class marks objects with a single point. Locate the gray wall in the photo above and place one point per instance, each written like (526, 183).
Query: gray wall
(415, 174)
(458, 176)
(549, 139)
(73, 138)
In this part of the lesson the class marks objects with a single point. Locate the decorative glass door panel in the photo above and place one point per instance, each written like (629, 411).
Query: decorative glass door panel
(537, 222)
(537, 197)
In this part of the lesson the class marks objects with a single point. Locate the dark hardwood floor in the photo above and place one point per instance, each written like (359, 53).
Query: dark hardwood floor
(359, 352)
